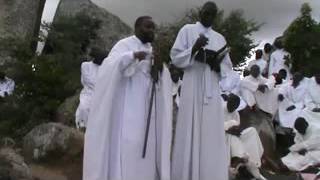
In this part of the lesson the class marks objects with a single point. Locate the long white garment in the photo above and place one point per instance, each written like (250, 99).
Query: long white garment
(89, 72)
(267, 101)
(117, 121)
(175, 92)
(310, 142)
(6, 86)
(312, 100)
(261, 63)
(200, 150)
(231, 84)
(277, 62)
(248, 145)
(292, 96)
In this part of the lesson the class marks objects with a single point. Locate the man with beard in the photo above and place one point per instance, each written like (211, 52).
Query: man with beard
(128, 134)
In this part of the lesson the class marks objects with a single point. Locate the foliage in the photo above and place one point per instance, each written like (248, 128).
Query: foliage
(235, 28)
(43, 82)
(302, 40)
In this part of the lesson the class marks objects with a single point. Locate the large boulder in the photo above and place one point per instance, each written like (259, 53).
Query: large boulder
(12, 166)
(49, 141)
(112, 28)
(66, 111)
(19, 19)
(263, 124)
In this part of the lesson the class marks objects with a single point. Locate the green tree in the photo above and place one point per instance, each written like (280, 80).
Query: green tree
(235, 27)
(302, 40)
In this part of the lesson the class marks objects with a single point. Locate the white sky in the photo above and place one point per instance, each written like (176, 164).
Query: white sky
(276, 14)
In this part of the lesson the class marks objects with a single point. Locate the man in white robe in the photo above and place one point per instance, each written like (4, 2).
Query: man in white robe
(260, 62)
(267, 50)
(89, 72)
(244, 144)
(280, 59)
(199, 152)
(312, 111)
(306, 150)
(259, 91)
(6, 85)
(292, 98)
(127, 96)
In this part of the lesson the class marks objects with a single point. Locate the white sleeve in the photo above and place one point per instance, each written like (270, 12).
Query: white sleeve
(181, 53)
(247, 84)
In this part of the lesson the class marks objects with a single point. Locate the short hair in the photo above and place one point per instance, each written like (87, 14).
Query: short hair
(300, 121)
(211, 5)
(140, 20)
(282, 71)
(259, 51)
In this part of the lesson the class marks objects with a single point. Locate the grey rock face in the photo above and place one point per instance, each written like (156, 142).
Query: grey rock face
(112, 30)
(66, 111)
(12, 166)
(52, 140)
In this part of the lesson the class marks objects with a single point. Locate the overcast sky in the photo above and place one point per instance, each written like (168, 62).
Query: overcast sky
(276, 14)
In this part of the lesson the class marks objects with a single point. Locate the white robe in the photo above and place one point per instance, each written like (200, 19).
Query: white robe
(117, 121)
(6, 86)
(199, 152)
(292, 96)
(175, 92)
(261, 63)
(277, 62)
(89, 72)
(310, 142)
(248, 145)
(312, 101)
(268, 101)
(231, 84)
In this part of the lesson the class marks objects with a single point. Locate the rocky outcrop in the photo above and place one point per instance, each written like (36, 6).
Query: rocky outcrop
(47, 142)
(112, 28)
(19, 19)
(12, 166)
(66, 111)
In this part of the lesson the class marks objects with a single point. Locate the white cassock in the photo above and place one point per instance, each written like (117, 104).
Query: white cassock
(231, 84)
(117, 121)
(277, 62)
(247, 146)
(292, 96)
(261, 63)
(312, 101)
(175, 92)
(89, 72)
(268, 101)
(310, 142)
(6, 86)
(199, 152)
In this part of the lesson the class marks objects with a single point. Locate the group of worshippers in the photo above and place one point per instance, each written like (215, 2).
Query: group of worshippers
(6, 85)
(126, 107)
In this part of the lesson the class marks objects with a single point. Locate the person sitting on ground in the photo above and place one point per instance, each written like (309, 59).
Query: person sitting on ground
(244, 145)
(6, 85)
(258, 91)
(260, 62)
(280, 77)
(306, 150)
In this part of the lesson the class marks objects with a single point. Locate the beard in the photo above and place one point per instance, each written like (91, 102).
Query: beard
(147, 37)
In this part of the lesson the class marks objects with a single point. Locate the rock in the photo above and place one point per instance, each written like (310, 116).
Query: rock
(49, 141)
(12, 166)
(19, 19)
(112, 28)
(67, 110)
(263, 124)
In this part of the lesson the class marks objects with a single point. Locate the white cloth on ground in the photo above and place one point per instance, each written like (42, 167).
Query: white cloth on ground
(89, 72)
(6, 86)
(310, 142)
(292, 97)
(267, 101)
(200, 137)
(117, 121)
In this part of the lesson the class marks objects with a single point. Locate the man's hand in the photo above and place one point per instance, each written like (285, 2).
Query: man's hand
(280, 97)
(224, 97)
(200, 42)
(302, 152)
(235, 130)
(316, 110)
(140, 55)
(290, 108)
(262, 88)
